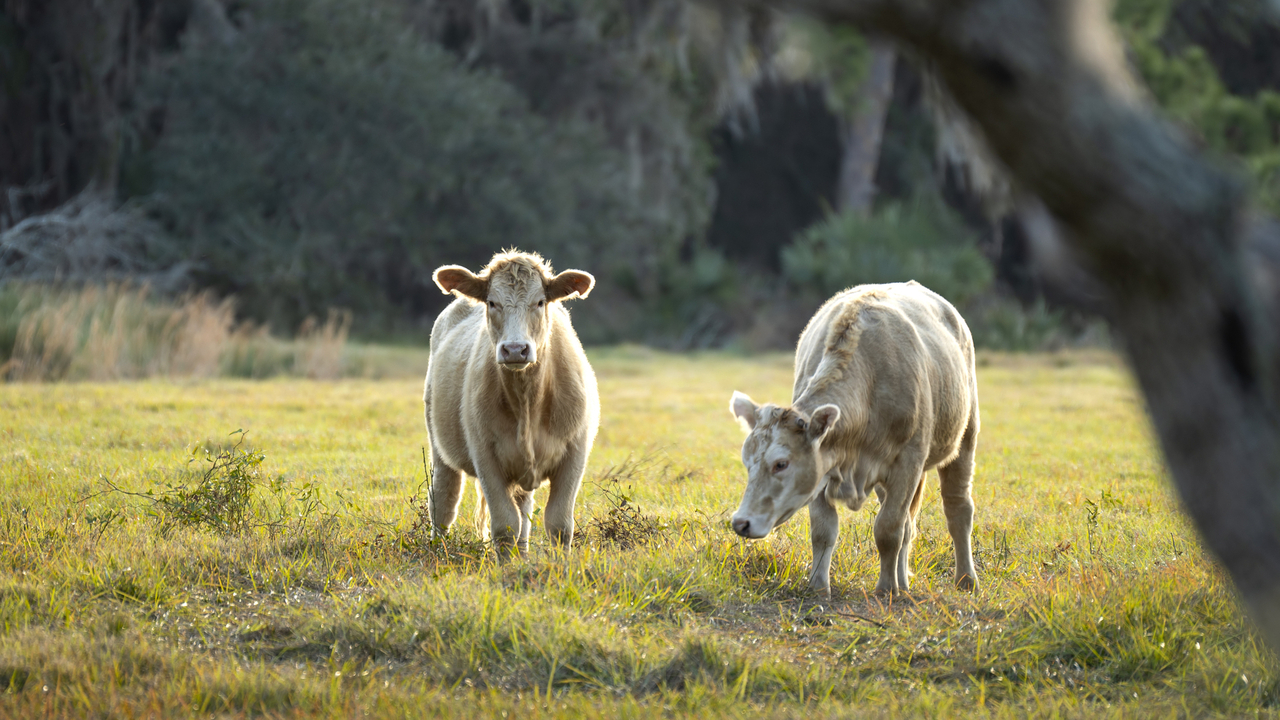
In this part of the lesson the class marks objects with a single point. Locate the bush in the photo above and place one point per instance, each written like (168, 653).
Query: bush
(1005, 324)
(920, 242)
(220, 498)
(327, 157)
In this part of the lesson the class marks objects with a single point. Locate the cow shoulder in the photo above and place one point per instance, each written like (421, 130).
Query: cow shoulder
(891, 357)
(574, 399)
(454, 327)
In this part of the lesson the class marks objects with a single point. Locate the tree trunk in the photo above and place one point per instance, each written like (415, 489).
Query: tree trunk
(1190, 276)
(863, 132)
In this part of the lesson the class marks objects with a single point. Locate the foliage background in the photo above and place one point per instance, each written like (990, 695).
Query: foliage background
(303, 156)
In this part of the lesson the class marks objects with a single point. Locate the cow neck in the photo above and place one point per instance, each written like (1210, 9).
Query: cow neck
(524, 392)
(830, 453)
(525, 389)
(807, 403)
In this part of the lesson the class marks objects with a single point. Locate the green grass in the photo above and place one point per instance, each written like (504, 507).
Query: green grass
(1097, 598)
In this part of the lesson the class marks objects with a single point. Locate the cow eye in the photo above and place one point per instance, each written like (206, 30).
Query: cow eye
(779, 466)
(541, 303)
(493, 305)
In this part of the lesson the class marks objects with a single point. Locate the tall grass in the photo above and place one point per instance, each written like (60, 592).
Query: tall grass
(122, 331)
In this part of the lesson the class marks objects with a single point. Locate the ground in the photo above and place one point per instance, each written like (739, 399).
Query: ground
(326, 598)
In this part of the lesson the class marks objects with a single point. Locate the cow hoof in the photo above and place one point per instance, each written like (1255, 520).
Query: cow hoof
(506, 551)
(886, 593)
(968, 583)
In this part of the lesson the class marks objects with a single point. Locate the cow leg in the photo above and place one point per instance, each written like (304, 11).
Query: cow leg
(909, 532)
(565, 483)
(890, 528)
(524, 501)
(445, 494)
(482, 513)
(504, 515)
(824, 530)
(957, 505)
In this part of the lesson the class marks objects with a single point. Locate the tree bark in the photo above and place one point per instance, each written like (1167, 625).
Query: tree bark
(863, 132)
(1190, 276)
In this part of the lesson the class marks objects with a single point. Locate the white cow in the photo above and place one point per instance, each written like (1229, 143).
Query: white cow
(510, 398)
(885, 390)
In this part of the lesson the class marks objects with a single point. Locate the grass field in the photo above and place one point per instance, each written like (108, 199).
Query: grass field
(327, 600)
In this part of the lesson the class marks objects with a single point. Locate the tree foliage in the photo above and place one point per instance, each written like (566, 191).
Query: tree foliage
(331, 153)
(1184, 81)
(328, 157)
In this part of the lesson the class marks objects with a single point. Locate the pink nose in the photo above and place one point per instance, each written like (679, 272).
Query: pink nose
(742, 526)
(516, 352)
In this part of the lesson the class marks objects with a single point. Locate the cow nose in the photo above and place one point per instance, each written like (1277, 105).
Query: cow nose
(515, 352)
(741, 526)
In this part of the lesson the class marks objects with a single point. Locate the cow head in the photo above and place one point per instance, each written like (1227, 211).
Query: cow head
(784, 463)
(517, 290)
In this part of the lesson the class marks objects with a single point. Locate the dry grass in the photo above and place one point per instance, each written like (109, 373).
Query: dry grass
(122, 332)
(116, 332)
(319, 346)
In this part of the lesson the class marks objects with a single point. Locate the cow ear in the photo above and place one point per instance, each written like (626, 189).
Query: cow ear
(459, 281)
(823, 419)
(570, 283)
(744, 408)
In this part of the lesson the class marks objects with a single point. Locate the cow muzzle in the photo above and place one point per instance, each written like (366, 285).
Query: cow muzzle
(751, 528)
(516, 355)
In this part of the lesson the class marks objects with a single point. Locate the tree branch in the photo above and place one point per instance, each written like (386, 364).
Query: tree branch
(1191, 276)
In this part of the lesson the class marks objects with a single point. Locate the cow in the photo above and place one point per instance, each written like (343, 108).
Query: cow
(509, 398)
(885, 390)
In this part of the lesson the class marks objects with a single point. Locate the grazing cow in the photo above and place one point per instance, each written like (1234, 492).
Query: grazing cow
(510, 397)
(885, 391)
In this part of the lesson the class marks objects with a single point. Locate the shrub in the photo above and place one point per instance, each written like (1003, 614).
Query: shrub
(622, 523)
(1009, 326)
(920, 242)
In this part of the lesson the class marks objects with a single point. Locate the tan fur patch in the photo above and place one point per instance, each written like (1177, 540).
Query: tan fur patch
(840, 348)
(518, 263)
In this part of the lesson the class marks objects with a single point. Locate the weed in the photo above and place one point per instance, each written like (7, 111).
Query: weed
(220, 500)
(222, 497)
(1093, 509)
(111, 332)
(319, 346)
(623, 523)
(421, 542)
